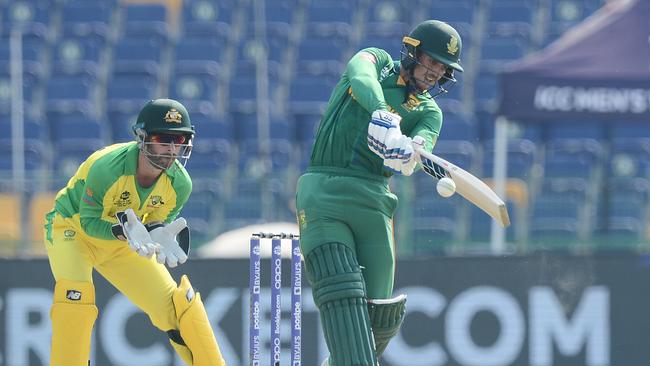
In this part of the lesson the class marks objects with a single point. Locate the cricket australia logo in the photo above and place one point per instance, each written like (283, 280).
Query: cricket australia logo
(124, 199)
(73, 295)
(156, 201)
(173, 116)
(452, 46)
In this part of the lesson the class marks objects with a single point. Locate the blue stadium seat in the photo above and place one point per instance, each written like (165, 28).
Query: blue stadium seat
(76, 125)
(511, 17)
(121, 118)
(331, 11)
(385, 36)
(575, 129)
(279, 11)
(199, 53)
(486, 87)
(207, 18)
(210, 127)
(194, 87)
(522, 156)
(457, 126)
(86, 17)
(137, 55)
(323, 51)
(37, 158)
(435, 223)
(31, 83)
(629, 130)
(70, 153)
(458, 11)
(146, 21)
(25, 14)
(305, 125)
(74, 55)
(70, 91)
(387, 13)
(555, 221)
(130, 90)
(498, 49)
(210, 158)
(33, 128)
(307, 92)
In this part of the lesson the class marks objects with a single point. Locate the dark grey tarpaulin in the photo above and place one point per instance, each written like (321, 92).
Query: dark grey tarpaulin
(598, 69)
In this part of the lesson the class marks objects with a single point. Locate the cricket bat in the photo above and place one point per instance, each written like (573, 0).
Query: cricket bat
(467, 185)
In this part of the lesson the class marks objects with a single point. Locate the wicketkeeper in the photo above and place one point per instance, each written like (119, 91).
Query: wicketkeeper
(377, 111)
(118, 215)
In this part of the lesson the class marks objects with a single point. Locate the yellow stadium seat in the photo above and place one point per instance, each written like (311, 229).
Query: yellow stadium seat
(40, 204)
(10, 212)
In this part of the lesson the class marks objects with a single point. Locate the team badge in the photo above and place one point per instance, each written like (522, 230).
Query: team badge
(156, 201)
(173, 116)
(452, 46)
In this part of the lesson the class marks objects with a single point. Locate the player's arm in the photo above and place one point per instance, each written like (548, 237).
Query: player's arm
(363, 72)
(91, 206)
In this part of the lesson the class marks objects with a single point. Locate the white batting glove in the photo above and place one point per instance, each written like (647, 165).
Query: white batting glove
(382, 124)
(137, 235)
(169, 251)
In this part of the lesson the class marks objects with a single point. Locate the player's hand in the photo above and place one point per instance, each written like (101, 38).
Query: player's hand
(169, 251)
(383, 125)
(137, 235)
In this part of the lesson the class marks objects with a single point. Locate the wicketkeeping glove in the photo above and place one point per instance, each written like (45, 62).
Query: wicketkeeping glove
(136, 233)
(169, 251)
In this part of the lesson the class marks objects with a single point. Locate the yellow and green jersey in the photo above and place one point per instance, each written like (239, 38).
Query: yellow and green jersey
(106, 184)
(368, 84)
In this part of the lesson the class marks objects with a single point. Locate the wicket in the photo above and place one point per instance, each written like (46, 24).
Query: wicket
(276, 287)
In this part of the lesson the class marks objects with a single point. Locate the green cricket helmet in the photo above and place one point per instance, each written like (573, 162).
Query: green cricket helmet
(164, 132)
(441, 42)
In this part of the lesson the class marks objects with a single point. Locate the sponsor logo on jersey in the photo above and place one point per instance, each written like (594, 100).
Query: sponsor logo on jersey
(73, 295)
(69, 234)
(123, 200)
(302, 219)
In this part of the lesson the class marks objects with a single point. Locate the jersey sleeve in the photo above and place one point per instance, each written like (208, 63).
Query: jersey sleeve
(91, 207)
(363, 72)
(183, 190)
(429, 128)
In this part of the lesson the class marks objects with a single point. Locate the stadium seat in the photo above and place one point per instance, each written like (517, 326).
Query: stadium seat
(211, 158)
(200, 54)
(452, 11)
(146, 21)
(521, 155)
(202, 17)
(10, 217)
(37, 159)
(70, 154)
(194, 88)
(76, 124)
(40, 204)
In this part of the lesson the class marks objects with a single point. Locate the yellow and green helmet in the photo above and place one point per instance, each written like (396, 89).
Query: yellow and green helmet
(438, 40)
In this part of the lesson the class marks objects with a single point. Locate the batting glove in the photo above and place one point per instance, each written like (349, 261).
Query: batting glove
(169, 251)
(136, 234)
(382, 124)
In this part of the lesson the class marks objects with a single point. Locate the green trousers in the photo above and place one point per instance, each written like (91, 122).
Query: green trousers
(355, 211)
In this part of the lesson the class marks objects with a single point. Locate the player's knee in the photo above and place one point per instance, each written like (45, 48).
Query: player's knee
(334, 273)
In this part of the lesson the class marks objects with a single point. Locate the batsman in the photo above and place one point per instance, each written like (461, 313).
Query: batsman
(378, 110)
(118, 216)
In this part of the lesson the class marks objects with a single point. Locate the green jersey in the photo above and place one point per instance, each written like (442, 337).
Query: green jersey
(370, 82)
(105, 184)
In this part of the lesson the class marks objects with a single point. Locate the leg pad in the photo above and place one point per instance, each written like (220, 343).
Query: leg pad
(386, 317)
(73, 315)
(339, 292)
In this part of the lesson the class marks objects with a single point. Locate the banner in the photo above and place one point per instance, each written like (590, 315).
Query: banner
(534, 310)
